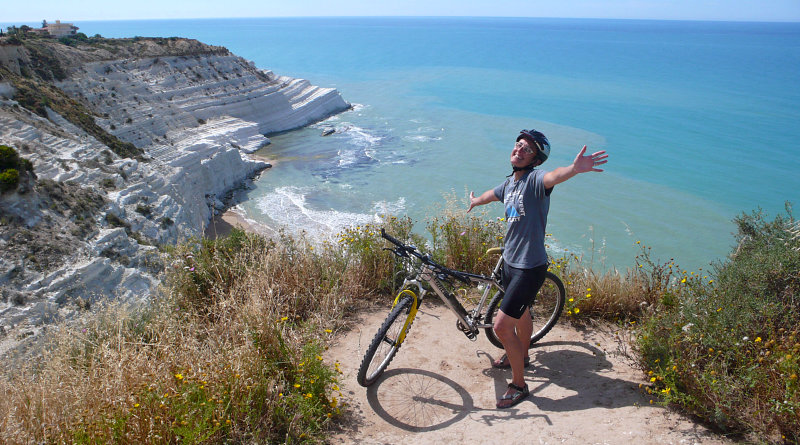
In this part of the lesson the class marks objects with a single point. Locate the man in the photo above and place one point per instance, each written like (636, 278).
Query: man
(526, 196)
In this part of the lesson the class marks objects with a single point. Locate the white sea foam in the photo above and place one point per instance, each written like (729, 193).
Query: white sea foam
(383, 208)
(361, 137)
(421, 138)
(346, 157)
(361, 144)
(288, 208)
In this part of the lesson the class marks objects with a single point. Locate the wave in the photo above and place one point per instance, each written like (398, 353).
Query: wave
(421, 138)
(361, 145)
(288, 209)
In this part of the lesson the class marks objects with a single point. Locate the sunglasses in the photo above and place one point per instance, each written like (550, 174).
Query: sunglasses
(525, 147)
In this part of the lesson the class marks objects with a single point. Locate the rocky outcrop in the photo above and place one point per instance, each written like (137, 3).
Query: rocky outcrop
(196, 112)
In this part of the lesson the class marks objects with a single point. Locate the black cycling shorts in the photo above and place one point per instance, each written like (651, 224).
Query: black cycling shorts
(521, 287)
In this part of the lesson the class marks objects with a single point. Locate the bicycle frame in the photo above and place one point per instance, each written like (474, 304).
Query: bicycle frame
(469, 322)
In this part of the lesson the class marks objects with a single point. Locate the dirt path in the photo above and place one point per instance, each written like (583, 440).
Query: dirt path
(441, 389)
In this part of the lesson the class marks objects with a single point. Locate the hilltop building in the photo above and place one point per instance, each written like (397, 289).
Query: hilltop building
(59, 29)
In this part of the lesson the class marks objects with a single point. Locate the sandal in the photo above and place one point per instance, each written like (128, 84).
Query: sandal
(520, 393)
(504, 364)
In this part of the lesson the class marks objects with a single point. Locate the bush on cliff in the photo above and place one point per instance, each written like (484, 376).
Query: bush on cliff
(726, 346)
(8, 157)
(13, 168)
(9, 178)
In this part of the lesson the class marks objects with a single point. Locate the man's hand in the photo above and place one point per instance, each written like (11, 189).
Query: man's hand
(485, 198)
(584, 163)
(472, 200)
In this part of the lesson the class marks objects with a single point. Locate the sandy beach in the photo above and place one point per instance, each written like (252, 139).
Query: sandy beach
(222, 224)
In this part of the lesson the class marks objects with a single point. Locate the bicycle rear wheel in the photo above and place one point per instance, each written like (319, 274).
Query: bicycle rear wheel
(545, 309)
(386, 342)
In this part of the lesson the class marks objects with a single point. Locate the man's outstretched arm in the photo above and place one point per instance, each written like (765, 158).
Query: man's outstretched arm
(583, 163)
(485, 198)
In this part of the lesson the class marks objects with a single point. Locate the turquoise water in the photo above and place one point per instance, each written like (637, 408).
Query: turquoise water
(700, 120)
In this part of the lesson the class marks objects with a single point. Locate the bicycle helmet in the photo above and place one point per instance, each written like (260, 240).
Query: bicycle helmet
(536, 137)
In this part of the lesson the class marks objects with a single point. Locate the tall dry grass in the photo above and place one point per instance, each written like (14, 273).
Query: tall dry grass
(231, 351)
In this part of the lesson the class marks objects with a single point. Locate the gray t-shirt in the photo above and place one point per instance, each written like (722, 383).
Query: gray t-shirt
(527, 203)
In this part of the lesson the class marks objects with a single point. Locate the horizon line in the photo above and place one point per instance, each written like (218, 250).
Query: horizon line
(23, 22)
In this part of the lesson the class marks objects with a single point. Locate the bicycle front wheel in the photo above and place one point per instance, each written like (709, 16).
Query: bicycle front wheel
(387, 341)
(545, 310)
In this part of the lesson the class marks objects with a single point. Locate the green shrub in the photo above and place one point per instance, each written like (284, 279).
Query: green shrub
(144, 210)
(108, 184)
(8, 157)
(726, 347)
(9, 179)
(115, 221)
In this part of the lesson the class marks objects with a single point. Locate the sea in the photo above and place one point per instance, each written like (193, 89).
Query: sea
(701, 122)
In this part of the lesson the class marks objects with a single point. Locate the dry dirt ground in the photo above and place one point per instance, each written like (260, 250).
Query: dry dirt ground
(441, 389)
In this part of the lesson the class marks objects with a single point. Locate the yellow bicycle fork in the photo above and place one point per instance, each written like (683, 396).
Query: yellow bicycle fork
(412, 313)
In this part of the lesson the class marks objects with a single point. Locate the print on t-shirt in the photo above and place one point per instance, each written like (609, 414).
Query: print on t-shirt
(514, 208)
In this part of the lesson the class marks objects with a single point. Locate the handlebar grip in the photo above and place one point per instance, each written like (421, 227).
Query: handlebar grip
(392, 239)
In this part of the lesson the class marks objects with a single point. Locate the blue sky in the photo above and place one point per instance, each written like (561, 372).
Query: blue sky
(33, 11)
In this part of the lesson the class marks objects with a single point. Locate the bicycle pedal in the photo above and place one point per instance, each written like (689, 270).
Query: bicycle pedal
(472, 335)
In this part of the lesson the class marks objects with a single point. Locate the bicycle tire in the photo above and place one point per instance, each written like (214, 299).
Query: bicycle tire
(384, 345)
(545, 310)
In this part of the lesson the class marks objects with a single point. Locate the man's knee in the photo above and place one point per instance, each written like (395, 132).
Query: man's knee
(504, 326)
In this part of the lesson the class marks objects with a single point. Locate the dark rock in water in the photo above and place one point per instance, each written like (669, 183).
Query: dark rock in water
(327, 131)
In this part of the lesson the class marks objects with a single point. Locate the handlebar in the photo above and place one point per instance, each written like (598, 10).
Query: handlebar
(403, 250)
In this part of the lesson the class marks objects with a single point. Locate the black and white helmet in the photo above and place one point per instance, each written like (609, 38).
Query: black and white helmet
(536, 137)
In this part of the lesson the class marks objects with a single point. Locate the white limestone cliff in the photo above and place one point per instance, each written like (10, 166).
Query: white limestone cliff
(196, 118)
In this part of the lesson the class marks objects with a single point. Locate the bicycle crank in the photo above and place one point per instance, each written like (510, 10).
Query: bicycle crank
(470, 333)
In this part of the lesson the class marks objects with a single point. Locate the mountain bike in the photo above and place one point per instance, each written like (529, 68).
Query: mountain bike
(423, 273)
